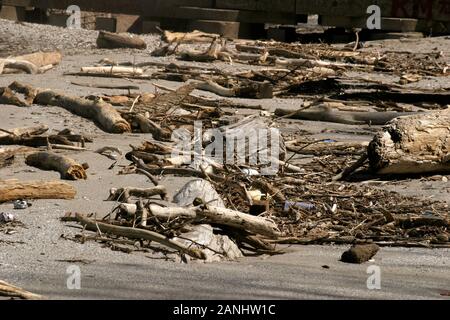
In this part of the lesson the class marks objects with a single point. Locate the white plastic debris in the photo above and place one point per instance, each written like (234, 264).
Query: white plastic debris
(6, 217)
(20, 204)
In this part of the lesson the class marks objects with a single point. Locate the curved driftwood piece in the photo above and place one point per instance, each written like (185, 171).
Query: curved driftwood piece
(68, 168)
(101, 112)
(238, 220)
(413, 145)
(212, 215)
(8, 290)
(108, 40)
(252, 90)
(327, 114)
(14, 190)
(22, 65)
(134, 233)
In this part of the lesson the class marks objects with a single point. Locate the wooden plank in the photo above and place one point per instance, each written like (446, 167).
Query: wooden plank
(258, 5)
(438, 10)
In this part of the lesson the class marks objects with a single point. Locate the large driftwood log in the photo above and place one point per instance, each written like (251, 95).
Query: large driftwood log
(213, 215)
(108, 40)
(239, 220)
(101, 112)
(327, 114)
(251, 90)
(13, 190)
(134, 233)
(8, 290)
(414, 144)
(68, 168)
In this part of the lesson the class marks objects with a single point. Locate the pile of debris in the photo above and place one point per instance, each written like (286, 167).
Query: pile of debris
(230, 209)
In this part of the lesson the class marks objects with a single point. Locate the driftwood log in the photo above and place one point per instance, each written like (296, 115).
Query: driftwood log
(108, 40)
(188, 37)
(413, 145)
(101, 112)
(68, 168)
(327, 114)
(212, 215)
(8, 290)
(251, 90)
(15, 190)
(134, 233)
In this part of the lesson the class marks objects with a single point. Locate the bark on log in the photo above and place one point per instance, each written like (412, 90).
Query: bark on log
(16, 190)
(134, 233)
(101, 112)
(108, 40)
(68, 168)
(413, 145)
(8, 290)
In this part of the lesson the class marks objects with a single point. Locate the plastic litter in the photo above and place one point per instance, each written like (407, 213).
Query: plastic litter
(298, 205)
(6, 217)
(20, 204)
